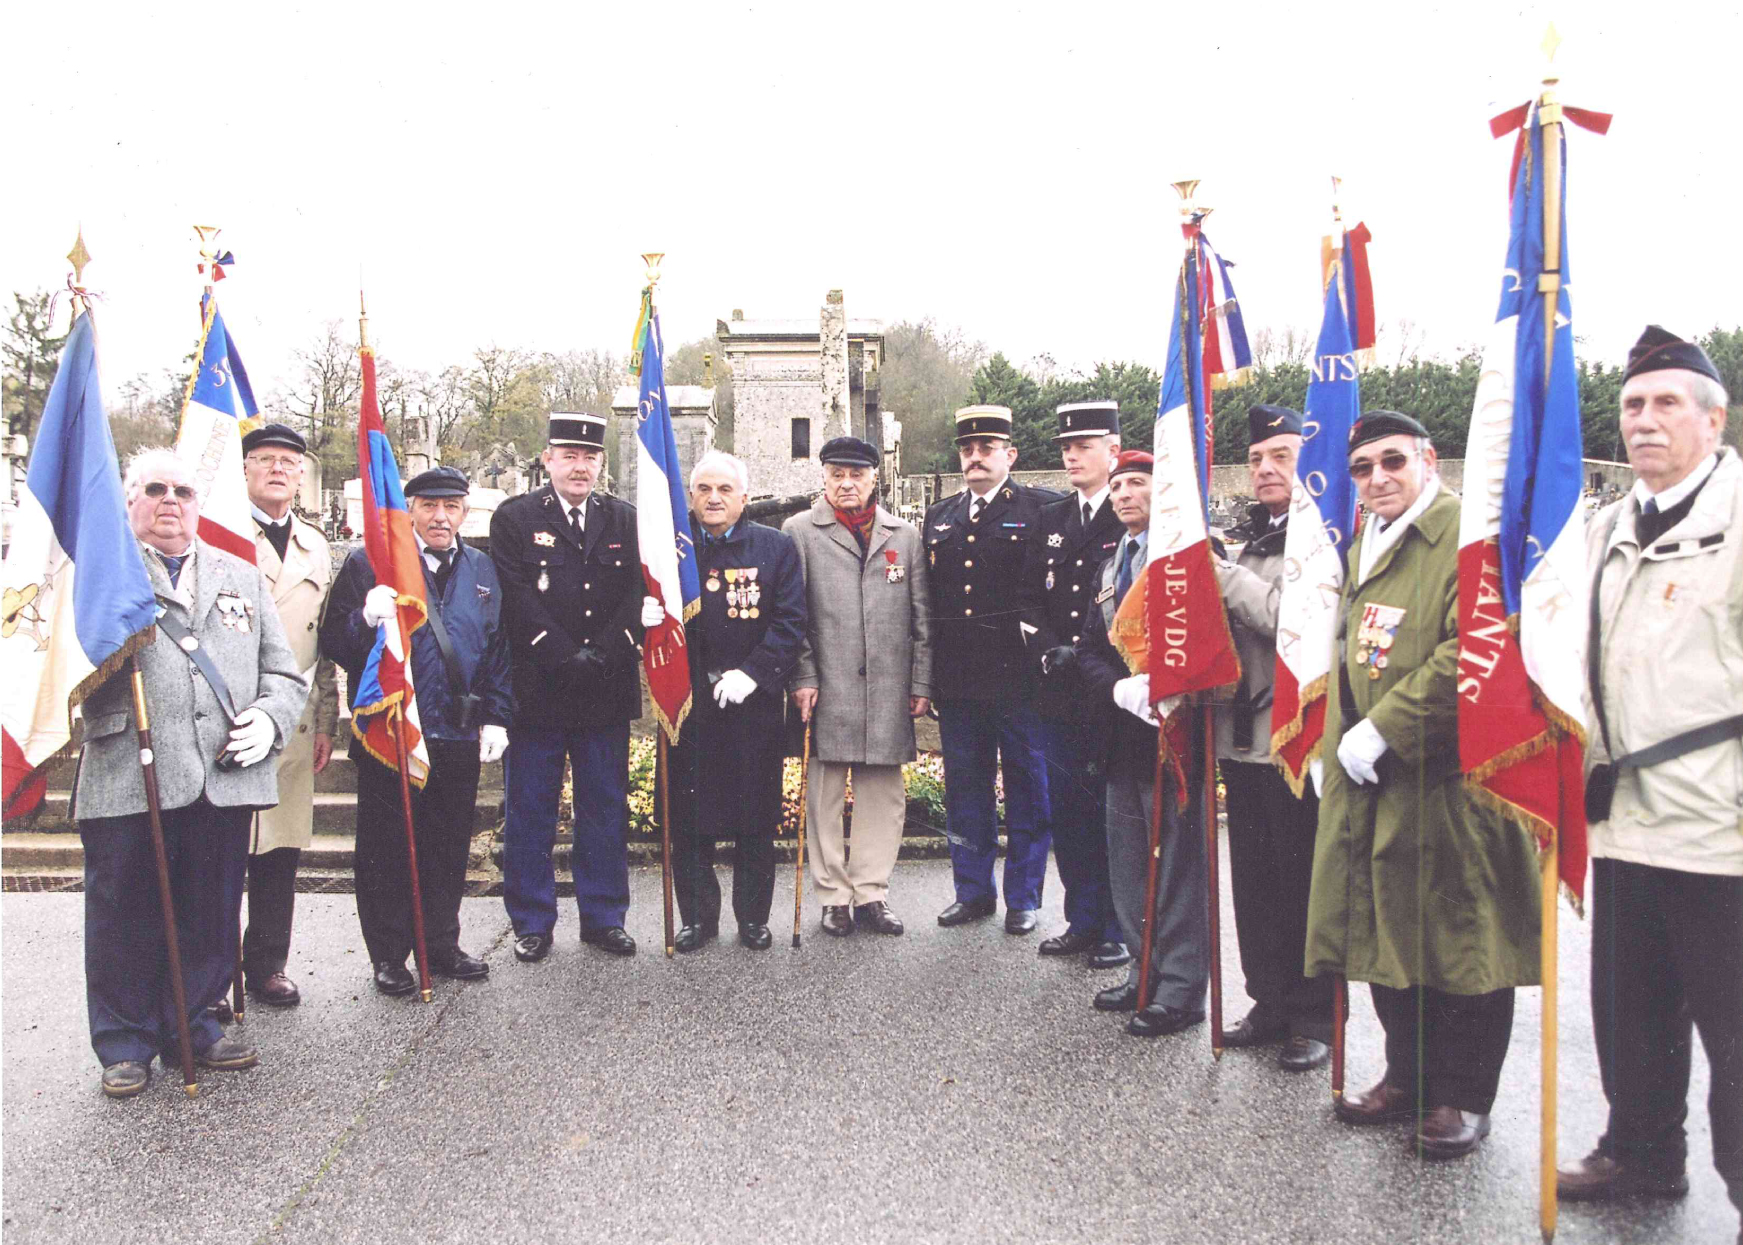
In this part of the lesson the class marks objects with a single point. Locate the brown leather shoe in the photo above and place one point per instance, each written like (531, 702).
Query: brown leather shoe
(1600, 1178)
(1448, 1133)
(276, 991)
(1383, 1103)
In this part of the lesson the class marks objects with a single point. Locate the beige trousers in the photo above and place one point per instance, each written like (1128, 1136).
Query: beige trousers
(879, 809)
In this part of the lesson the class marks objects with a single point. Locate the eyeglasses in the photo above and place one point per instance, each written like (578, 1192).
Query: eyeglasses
(1392, 461)
(157, 488)
(272, 462)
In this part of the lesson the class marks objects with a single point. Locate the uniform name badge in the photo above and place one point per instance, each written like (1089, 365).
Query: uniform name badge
(894, 572)
(1375, 636)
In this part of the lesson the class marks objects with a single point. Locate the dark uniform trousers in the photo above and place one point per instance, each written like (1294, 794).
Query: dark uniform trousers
(272, 901)
(533, 776)
(1667, 946)
(976, 736)
(1271, 836)
(442, 813)
(127, 983)
(1077, 788)
(698, 890)
(1446, 1048)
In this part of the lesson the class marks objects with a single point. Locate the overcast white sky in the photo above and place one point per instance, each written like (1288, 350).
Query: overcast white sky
(1006, 169)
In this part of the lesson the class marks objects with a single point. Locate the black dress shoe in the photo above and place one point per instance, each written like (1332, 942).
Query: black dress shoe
(1158, 1020)
(1109, 955)
(1383, 1103)
(1021, 921)
(1449, 1133)
(756, 937)
(227, 1054)
(962, 913)
(877, 917)
(277, 991)
(126, 1078)
(393, 979)
(613, 939)
(1120, 998)
(1303, 1054)
(692, 937)
(837, 919)
(1256, 1029)
(1595, 1178)
(531, 948)
(458, 965)
(1069, 943)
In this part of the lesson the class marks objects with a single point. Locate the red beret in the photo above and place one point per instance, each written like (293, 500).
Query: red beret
(1133, 460)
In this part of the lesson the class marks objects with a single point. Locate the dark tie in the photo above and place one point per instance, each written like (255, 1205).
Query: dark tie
(975, 507)
(172, 567)
(1123, 581)
(1088, 513)
(444, 569)
(278, 536)
(575, 522)
(1650, 506)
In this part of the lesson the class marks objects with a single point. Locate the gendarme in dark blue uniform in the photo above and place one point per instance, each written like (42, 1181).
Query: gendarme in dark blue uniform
(977, 544)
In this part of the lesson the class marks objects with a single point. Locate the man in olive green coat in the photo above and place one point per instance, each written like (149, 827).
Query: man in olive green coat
(1416, 890)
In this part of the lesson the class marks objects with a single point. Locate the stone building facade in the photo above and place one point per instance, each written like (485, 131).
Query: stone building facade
(694, 424)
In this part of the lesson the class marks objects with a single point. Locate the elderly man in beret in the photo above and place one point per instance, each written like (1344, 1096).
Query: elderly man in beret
(224, 692)
(1418, 890)
(294, 557)
(1665, 744)
(461, 676)
(864, 674)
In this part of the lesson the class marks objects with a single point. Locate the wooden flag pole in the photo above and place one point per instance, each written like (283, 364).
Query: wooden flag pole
(166, 900)
(1340, 1006)
(799, 859)
(1145, 986)
(662, 766)
(419, 946)
(238, 997)
(1213, 874)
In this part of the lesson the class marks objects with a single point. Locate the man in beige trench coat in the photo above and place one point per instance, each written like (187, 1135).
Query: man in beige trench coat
(864, 675)
(293, 556)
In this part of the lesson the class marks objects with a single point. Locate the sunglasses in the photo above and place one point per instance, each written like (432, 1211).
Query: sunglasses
(1392, 461)
(157, 488)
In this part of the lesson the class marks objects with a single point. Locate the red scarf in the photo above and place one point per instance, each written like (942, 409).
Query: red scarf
(859, 524)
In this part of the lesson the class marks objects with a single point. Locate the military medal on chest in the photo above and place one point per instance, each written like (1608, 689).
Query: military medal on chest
(1376, 635)
(732, 592)
(894, 571)
(753, 593)
(713, 584)
(544, 583)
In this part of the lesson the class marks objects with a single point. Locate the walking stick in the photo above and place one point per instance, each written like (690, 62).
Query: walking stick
(166, 901)
(419, 947)
(799, 860)
(237, 996)
(661, 765)
(1213, 871)
(1144, 986)
(1340, 1005)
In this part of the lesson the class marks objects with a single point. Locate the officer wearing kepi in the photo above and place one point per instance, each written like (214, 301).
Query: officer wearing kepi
(977, 544)
(571, 571)
(1078, 533)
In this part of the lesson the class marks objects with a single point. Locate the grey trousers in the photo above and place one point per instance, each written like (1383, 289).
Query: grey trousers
(1180, 928)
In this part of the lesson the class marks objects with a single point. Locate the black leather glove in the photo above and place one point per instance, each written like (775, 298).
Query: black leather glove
(587, 669)
(1059, 660)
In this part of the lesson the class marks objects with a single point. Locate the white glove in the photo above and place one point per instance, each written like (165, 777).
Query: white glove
(492, 743)
(653, 613)
(1361, 746)
(1133, 695)
(1168, 704)
(381, 604)
(1316, 772)
(251, 736)
(734, 688)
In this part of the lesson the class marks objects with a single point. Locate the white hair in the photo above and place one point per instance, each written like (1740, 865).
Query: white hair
(146, 461)
(1707, 392)
(721, 459)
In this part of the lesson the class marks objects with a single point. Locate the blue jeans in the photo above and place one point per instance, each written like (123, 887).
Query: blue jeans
(977, 735)
(1077, 787)
(533, 778)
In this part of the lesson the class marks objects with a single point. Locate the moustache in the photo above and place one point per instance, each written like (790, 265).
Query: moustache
(1648, 442)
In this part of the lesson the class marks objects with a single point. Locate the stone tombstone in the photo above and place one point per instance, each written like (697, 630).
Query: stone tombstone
(694, 421)
(796, 384)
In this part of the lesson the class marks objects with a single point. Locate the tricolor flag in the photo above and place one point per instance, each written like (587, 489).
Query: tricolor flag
(77, 599)
(1172, 623)
(218, 409)
(1227, 360)
(662, 516)
(1522, 573)
(384, 689)
(1322, 510)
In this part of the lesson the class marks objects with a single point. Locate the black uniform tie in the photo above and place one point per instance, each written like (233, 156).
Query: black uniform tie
(444, 569)
(974, 509)
(1088, 514)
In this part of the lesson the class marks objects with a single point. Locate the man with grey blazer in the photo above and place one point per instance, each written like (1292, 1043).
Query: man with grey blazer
(864, 674)
(213, 773)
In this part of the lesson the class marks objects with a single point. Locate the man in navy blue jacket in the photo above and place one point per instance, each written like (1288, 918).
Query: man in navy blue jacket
(460, 732)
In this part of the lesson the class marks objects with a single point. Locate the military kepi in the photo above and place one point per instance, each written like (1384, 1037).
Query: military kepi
(1376, 424)
(438, 482)
(1659, 349)
(1265, 421)
(848, 452)
(983, 421)
(1088, 419)
(274, 434)
(576, 428)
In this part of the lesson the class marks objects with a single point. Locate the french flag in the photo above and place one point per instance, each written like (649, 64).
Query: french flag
(219, 408)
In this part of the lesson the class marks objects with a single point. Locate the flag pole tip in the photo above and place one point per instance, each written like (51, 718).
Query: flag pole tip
(192, 1090)
(652, 260)
(426, 995)
(795, 942)
(1551, 41)
(79, 256)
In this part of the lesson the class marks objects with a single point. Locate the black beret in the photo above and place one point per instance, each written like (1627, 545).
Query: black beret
(576, 428)
(1659, 349)
(1265, 422)
(438, 482)
(1374, 425)
(274, 434)
(849, 452)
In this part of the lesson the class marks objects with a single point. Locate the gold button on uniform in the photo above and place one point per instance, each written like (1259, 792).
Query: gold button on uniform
(968, 587)
(1074, 613)
(971, 540)
(967, 613)
(968, 563)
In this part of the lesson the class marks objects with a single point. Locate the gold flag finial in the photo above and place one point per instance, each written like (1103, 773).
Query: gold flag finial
(362, 318)
(79, 257)
(1551, 41)
(652, 260)
(1190, 207)
(208, 239)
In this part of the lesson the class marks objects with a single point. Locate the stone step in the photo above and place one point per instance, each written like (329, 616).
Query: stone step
(335, 814)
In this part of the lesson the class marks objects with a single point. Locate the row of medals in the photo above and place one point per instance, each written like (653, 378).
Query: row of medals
(1371, 646)
(742, 590)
